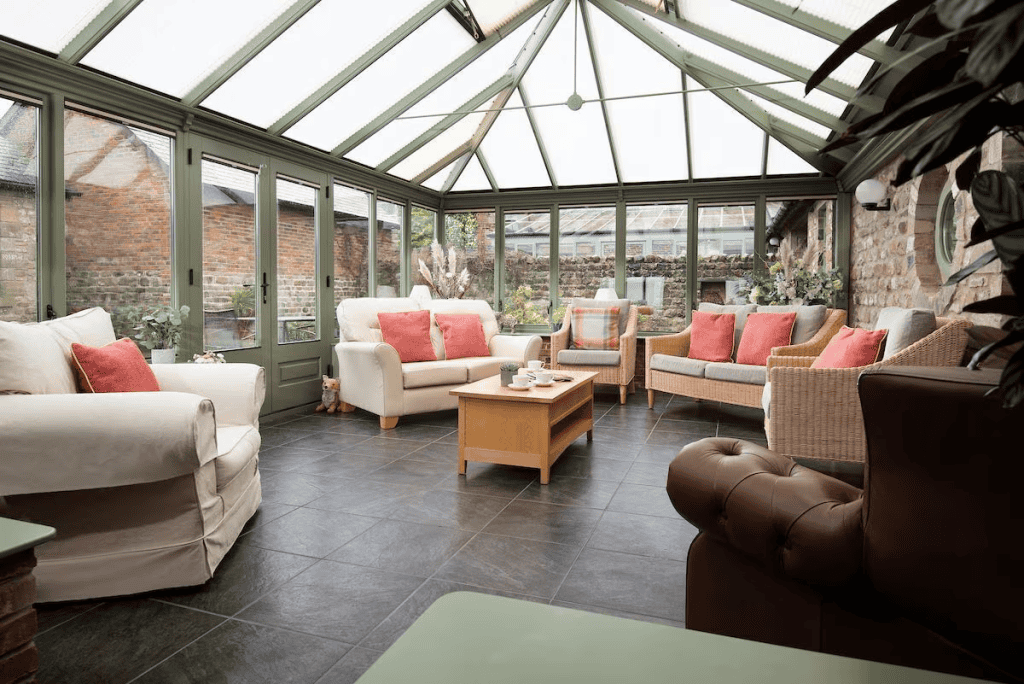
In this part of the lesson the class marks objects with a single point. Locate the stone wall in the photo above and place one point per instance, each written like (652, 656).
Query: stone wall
(893, 253)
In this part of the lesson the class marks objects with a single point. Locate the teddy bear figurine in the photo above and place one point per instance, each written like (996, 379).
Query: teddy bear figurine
(331, 397)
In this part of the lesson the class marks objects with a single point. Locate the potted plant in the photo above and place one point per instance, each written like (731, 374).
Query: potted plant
(160, 330)
(508, 371)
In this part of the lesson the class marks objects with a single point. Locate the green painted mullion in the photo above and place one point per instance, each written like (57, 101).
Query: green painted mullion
(692, 210)
(53, 253)
(405, 282)
(187, 243)
(499, 259)
(686, 126)
(556, 296)
(266, 257)
(760, 230)
(620, 248)
(371, 250)
(844, 220)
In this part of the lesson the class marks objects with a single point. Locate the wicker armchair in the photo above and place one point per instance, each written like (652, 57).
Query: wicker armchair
(622, 374)
(816, 413)
(678, 344)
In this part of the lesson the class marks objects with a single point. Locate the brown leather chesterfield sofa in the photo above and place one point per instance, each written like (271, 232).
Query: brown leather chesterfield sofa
(924, 567)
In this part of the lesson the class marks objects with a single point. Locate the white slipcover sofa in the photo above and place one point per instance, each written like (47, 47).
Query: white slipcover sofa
(374, 379)
(147, 490)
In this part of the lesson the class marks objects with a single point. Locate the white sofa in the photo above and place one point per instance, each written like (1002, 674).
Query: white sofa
(372, 377)
(146, 490)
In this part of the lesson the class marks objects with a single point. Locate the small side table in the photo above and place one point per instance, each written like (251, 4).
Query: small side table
(19, 658)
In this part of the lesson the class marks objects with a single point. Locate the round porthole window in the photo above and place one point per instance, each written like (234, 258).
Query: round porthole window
(945, 233)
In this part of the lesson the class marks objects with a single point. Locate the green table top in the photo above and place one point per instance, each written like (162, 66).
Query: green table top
(469, 638)
(16, 536)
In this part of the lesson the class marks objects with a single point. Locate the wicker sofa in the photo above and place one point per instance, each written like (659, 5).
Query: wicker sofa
(815, 412)
(668, 369)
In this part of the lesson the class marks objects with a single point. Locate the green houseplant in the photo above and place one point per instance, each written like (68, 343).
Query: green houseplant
(966, 86)
(159, 329)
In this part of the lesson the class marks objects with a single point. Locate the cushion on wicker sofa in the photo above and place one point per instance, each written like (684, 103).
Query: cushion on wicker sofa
(905, 326)
(809, 318)
(736, 372)
(741, 311)
(680, 365)
(589, 357)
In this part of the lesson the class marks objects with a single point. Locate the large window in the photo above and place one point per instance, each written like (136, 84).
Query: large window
(724, 252)
(527, 297)
(390, 219)
(580, 274)
(296, 262)
(19, 223)
(471, 234)
(118, 217)
(230, 284)
(656, 264)
(351, 243)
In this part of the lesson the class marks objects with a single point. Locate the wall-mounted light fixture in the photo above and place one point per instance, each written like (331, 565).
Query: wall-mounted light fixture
(871, 196)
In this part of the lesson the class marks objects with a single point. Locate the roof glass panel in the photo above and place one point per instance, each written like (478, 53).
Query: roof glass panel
(420, 160)
(137, 48)
(848, 13)
(577, 142)
(473, 177)
(47, 24)
(772, 36)
(437, 181)
(422, 54)
(306, 56)
(449, 97)
(724, 143)
(649, 132)
(493, 14)
(784, 114)
(511, 149)
(782, 160)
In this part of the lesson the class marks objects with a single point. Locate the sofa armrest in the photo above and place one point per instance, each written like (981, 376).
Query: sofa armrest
(63, 442)
(816, 412)
(676, 344)
(560, 338)
(521, 347)
(370, 374)
(795, 520)
(787, 362)
(237, 390)
(834, 322)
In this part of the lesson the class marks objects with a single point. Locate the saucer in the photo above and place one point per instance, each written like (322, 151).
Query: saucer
(520, 388)
(538, 383)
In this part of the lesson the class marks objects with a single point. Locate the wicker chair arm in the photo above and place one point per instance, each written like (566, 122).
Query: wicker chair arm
(677, 344)
(788, 362)
(944, 347)
(627, 347)
(834, 321)
(560, 339)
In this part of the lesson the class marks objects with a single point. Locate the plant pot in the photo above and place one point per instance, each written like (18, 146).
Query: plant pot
(506, 378)
(163, 355)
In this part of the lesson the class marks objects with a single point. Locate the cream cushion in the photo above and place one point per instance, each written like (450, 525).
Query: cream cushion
(432, 373)
(32, 361)
(809, 318)
(735, 372)
(905, 326)
(680, 365)
(357, 318)
(590, 357)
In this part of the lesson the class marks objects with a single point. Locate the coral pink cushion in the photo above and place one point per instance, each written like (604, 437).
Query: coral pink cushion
(712, 336)
(762, 332)
(850, 348)
(409, 333)
(116, 367)
(463, 335)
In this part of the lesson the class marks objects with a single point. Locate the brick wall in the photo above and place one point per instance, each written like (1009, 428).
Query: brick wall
(19, 658)
(17, 254)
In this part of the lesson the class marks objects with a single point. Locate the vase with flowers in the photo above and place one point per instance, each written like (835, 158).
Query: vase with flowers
(794, 280)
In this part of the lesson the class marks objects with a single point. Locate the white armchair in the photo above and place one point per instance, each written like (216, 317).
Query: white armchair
(374, 379)
(146, 490)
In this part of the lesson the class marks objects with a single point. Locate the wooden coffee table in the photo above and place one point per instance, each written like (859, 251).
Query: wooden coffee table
(525, 428)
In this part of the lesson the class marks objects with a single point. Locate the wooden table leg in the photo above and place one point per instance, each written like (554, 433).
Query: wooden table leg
(545, 474)
(590, 435)
(462, 436)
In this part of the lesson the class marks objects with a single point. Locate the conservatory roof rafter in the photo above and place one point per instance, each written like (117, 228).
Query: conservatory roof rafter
(364, 61)
(696, 65)
(588, 32)
(522, 64)
(803, 143)
(830, 86)
(876, 50)
(435, 82)
(469, 106)
(463, 151)
(96, 30)
(229, 67)
(487, 170)
(540, 140)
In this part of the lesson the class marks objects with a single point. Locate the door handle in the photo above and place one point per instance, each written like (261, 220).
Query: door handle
(264, 287)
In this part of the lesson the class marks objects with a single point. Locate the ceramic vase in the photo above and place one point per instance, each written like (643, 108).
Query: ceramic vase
(163, 355)
(506, 378)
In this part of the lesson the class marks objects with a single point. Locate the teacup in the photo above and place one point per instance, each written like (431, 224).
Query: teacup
(535, 365)
(521, 380)
(544, 377)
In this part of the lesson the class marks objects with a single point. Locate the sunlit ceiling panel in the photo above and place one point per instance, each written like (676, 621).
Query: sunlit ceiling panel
(789, 117)
(782, 160)
(437, 181)
(47, 24)
(137, 49)
(472, 178)
(436, 149)
(493, 14)
(414, 60)
(577, 142)
(723, 142)
(306, 56)
(649, 132)
(850, 14)
(511, 149)
(448, 98)
(772, 36)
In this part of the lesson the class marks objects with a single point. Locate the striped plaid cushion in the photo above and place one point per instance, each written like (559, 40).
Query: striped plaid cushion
(595, 328)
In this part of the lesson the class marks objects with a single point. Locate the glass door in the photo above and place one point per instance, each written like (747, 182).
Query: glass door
(256, 294)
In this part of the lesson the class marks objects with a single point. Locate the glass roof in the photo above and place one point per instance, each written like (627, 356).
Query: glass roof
(670, 90)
